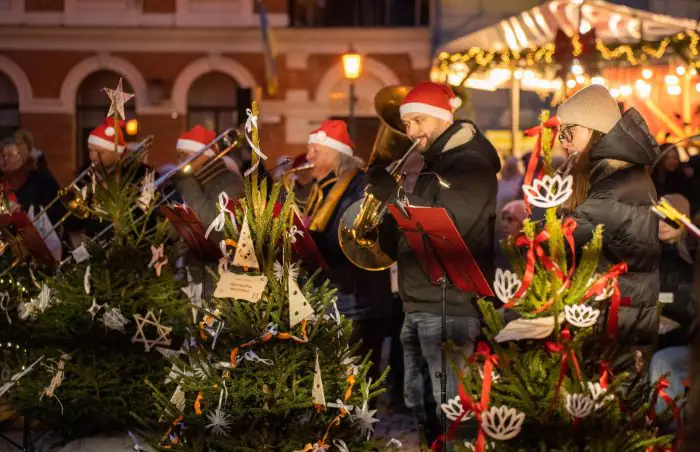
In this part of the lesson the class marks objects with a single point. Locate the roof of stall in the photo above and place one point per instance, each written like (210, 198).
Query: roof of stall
(538, 26)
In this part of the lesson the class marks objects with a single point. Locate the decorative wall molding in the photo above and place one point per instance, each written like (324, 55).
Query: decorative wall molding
(102, 61)
(335, 74)
(202, 66)
(20, 80)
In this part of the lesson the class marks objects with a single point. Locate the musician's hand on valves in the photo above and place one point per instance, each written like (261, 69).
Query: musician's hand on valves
(381, 184)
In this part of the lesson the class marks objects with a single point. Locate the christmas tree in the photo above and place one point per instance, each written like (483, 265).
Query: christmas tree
(94, 327)
(270, 368)
(545, 381)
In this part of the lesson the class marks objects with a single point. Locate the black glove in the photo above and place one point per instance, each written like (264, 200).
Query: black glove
(381, 184)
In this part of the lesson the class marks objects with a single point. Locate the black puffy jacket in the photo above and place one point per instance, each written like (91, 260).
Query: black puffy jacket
(620, 200)
(465, 159)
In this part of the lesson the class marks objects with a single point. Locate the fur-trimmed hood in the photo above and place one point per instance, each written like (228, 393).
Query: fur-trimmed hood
(463, 135)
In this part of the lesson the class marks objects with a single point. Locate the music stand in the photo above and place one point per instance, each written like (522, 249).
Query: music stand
(20, 228)
(303, 245)
(437, 243)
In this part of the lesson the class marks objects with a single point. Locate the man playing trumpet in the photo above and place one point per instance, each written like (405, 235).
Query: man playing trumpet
(459, 174)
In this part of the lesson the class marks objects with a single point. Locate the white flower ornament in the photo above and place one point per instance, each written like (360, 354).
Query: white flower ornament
(598, 394)
(550, 191)
(453, 409)
(581, 315)
(579, 405)
(502, 423)
(506, 284)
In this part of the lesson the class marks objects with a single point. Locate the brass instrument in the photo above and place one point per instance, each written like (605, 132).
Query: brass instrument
(212, 168)
(288, 184)
(359, 226)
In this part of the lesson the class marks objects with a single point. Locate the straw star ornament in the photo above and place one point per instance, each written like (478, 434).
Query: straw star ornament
(118, 98)
(162, 331)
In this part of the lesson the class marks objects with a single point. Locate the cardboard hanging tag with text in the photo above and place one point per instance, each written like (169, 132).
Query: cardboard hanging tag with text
(242, 287)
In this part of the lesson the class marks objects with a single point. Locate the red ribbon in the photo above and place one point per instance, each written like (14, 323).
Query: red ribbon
(567, 229)
(605, 374)
(566, 352)
(659, 392)
(551, 123)
(616, 299)
(482, 349)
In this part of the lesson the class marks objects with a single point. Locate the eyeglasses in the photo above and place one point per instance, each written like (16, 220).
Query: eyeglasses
(566, 133)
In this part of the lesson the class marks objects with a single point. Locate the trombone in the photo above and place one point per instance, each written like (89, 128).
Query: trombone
(206, 173)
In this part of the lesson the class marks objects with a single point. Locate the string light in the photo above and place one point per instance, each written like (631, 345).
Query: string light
(576, 68)
(625, 90)
(580, 79)
(647, 73)
(614, 92)
(571, 83)
(697, 87)
(673, 90)
(518, 74)
(597, 80)
(671, 79)
(680, 70)
(642, 88)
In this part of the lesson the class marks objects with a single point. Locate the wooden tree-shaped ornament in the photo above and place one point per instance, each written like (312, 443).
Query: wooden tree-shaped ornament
(245, 249)
(317, 396)
(299, 306)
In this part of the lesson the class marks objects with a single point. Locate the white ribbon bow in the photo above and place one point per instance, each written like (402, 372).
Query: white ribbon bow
(251, 124)
(251, 356)
(220, 220)
(293, 232)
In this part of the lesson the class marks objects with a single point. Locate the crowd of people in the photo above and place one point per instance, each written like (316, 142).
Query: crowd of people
(618, 172)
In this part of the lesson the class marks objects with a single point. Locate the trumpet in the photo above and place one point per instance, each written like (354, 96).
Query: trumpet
(358, 233)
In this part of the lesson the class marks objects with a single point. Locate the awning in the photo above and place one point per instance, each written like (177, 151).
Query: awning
(537, 26)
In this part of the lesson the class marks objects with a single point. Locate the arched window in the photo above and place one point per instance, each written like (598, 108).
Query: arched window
(212, 102)
(92, 106)
(9, 106)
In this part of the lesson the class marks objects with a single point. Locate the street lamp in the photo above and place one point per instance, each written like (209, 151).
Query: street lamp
(352, 68)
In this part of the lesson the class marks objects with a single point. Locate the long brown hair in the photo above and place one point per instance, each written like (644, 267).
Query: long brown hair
(580, 171)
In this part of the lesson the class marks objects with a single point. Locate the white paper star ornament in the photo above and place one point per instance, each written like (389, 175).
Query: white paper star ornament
(118, 98)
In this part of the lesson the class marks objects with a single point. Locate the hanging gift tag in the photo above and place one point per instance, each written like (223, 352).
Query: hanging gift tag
(243, 287)
(245, 249)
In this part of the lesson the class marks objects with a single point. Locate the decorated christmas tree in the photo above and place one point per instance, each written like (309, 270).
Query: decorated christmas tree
(93, 328)
(270, 368)
(545, 381)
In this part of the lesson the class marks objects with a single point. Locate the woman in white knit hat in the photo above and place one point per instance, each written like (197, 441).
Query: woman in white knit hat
(609, 154)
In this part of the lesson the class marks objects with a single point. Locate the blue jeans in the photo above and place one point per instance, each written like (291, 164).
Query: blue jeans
(422, 355)
(674, 361)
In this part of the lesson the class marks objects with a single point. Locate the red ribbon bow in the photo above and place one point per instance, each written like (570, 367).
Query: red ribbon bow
(567, 353)
(605, 374)
(659, 392)
(616, 299)
(482, 349)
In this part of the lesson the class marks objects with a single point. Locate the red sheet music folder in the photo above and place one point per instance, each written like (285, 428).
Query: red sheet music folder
(31, 238)
(446, 252)
(304, 247)
(192, 232)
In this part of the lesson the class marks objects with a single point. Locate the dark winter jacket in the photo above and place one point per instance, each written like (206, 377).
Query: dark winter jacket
(619, 199)
(465, 159)
(362, 294)
(677, 294)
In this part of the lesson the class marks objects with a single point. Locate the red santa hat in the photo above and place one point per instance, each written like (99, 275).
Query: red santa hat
(102, 136)
(433, 99)
(334, 134)
(195, 139)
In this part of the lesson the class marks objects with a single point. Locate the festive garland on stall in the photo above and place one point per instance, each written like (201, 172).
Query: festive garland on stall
(683, 44)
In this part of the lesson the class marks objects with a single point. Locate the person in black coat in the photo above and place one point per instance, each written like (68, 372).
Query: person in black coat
(612, 188)
(363, 296)
(459, 174)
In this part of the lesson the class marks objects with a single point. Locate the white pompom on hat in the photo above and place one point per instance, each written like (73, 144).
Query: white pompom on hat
(102, 136)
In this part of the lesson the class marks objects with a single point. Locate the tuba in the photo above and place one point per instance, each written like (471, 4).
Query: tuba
(359, 226)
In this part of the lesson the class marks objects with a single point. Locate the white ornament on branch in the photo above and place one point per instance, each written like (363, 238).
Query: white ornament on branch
(117, 98)
(158, 259)
(598, 394)
(318, 397)
(506, 285)
(95, 308)
(495, 376)
(579, 405)
(453, 410)
(502, 423)
(550, 191)
(537, 328)
(86, 280)
(114, 320)
(148, 189)
(299, 306)
(364, 418)
(219, 421)
(80, 254)
(581, 315)
(220, 221)
(245, 248)
(162, 331)
(16, 377)
(194, 293)
(251, 124)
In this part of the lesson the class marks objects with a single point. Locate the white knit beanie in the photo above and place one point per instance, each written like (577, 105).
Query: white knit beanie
(592, 107)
